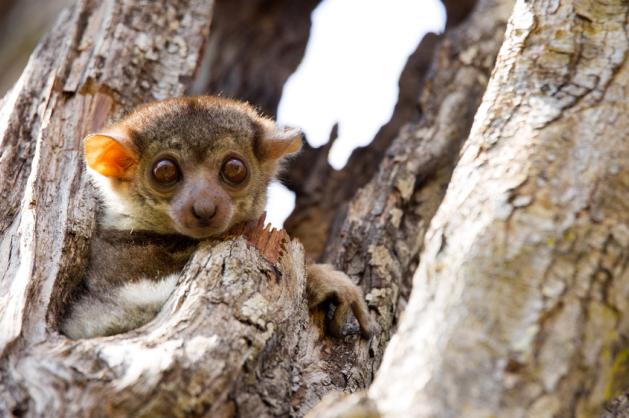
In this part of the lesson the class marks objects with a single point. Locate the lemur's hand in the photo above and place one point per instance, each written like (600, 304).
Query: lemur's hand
(327, 284)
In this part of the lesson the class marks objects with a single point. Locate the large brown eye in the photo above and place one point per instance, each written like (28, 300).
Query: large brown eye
(234, 171)
(166, 172)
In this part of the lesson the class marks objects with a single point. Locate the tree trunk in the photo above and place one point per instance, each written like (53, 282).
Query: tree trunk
(236, 338)
(519, 306)
(521, 221)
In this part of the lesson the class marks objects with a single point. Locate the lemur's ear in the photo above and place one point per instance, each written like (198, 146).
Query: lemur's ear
(278, 141)
(110, 155)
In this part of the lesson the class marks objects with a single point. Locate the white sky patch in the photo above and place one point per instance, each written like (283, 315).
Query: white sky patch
(350, 72)
(280, 204)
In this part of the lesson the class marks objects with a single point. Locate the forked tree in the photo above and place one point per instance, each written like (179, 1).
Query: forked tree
(488, 223)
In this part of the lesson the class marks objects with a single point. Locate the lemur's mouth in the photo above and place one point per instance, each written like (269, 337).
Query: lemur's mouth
(200, 228)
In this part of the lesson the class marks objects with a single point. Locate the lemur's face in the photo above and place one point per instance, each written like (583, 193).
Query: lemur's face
(193, 166)
(203, 197)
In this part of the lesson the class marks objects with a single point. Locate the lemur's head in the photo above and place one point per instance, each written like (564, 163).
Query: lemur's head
(194, 166)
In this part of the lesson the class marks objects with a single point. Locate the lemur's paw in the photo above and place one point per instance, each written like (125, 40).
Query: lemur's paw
(327, 284)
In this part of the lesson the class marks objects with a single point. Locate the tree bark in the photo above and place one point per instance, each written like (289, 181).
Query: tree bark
(382, 230)
(519, 300)
(519, 306)
(617, 408)
(236, 338)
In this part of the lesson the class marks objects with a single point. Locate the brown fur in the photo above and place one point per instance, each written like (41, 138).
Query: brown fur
(325, 283)
(120, 257)
(148, 229)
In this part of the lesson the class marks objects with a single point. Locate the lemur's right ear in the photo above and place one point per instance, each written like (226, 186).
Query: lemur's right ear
(277, 141)
(111, 155)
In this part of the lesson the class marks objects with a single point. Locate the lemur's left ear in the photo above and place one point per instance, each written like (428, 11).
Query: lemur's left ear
(111, 155)
(278, 141)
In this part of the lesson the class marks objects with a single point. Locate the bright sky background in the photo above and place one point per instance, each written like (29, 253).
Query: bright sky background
(350, 72)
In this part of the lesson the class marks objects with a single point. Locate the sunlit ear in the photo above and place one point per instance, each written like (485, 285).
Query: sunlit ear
(279, 141)
(109, 157)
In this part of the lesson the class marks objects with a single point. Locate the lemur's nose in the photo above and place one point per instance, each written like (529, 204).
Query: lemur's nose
(203, 211)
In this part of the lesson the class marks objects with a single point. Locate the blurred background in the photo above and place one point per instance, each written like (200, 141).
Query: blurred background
(349, 73)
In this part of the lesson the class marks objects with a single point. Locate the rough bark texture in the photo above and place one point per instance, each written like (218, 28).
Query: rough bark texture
(520, 303)
(253, 48)
(617, 408)
(236, 338)
(382, 233)
(271, 360)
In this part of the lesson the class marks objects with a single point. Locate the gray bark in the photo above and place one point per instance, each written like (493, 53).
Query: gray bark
(382, 230)
(101, 59)
(519, 305)
(519, 302)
